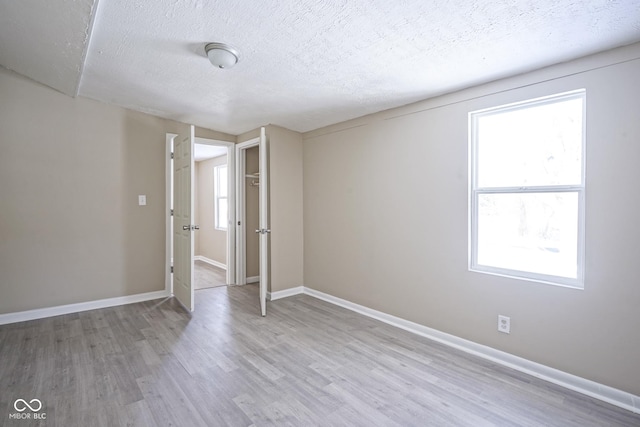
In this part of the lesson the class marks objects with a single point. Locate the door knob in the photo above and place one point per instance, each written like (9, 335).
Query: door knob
(186, 227)
(196, 227)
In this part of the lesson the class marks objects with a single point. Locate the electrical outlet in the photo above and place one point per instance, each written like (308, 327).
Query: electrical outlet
(504, 324)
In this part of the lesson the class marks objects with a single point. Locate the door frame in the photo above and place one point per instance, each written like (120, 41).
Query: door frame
(168, 276)
(231, 229)
(241, 209)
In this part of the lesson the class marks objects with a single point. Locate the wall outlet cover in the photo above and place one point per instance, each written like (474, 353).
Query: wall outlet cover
(504, 324)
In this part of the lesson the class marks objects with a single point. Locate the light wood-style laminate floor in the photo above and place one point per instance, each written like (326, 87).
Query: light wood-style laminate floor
(206, 275)
(308, 363)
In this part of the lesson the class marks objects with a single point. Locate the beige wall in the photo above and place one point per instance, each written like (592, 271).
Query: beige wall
(385, 223)
(210, 242)
(243, 137)
(214, 134)
(71, 171)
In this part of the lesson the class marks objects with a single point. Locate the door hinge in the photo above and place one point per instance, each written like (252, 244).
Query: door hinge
(171, 212)
(238, 222)
(172, 155)
(172, 268)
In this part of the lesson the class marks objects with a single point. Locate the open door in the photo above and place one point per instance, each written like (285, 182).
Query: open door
(264, 222)
(183, 226)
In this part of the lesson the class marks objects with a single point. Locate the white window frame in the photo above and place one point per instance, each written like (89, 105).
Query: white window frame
(475, 191)
(217, 197)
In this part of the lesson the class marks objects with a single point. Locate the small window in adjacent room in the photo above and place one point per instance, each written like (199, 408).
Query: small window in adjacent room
(220, 197)
(527, 189)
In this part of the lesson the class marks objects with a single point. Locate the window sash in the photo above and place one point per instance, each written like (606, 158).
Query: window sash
(476, 191)
(219, 225)
(218, 197)
(523, 274)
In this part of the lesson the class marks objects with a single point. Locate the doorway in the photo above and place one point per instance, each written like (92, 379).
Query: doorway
(211, 214)
(252, 172)
(213, 198)
(181, 225)
(248, 216)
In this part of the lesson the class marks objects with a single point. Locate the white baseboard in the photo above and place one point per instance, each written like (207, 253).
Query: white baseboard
(210, 261)
(590, 388)
(285, 293)
(41, 313)
(253, 279)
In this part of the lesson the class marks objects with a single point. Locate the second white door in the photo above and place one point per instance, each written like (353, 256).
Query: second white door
(183, 226)
(263, 204)
(264, 222)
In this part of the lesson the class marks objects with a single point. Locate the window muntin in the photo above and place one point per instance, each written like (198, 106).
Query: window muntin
(221, 200)
(527, 189)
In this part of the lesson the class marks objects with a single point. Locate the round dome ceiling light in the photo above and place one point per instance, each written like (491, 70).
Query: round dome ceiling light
(222, 55)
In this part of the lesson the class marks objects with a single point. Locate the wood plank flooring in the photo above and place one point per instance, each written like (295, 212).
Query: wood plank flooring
(308, 363)
(206, 275)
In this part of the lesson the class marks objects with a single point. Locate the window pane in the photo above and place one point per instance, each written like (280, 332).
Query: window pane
(223, 218)
(222, 181)
(531, 146)
(533, 232)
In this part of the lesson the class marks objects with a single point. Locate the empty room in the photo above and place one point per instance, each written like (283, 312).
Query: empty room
(319, 213)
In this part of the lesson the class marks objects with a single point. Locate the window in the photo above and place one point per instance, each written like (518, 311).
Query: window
(527, 189)
(221, 201)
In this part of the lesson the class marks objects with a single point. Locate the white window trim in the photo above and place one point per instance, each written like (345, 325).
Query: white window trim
(475, 191)
(216, 196)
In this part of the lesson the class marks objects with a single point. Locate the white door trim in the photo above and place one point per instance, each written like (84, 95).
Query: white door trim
(168, 282)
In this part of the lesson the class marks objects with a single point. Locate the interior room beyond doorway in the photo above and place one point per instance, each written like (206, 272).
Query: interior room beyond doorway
(211, 214)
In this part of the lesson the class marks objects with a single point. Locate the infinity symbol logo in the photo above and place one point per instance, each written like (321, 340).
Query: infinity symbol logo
(26, 405)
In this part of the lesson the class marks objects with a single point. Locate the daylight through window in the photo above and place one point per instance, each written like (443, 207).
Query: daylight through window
(221, 207)
(527, 189)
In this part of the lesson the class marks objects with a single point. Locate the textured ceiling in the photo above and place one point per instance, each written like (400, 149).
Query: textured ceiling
(46, 40)
(304, 64)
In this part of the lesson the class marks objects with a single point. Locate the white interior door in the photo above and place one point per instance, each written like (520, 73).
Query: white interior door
(264, 222)
(183, 227)
(263, 206)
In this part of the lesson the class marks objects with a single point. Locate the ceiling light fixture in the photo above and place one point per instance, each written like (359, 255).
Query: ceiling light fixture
(222, 55)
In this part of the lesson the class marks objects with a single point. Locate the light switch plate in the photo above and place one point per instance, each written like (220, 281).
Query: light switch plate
(142, 200)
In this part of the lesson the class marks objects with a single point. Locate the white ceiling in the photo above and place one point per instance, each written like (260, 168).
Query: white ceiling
(304, 64)
(203, 151)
